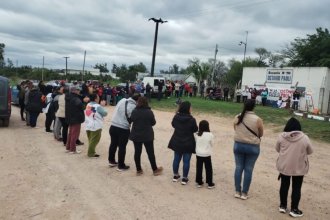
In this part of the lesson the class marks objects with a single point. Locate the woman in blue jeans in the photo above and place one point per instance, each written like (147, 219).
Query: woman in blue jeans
(182, 141)
(248, 131)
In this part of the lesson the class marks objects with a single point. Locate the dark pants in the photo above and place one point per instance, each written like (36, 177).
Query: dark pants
(244, 98)
(119, 138)
(22, 107)
(296, 190)
(148, 95)
(295, 105)
(150, 151)
(159, 96)
(65, 128)
(238, 98)
(49, 120)
(33, 118)
(208, 169)
(263, 101)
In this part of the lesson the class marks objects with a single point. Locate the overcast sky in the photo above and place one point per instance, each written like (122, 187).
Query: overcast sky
(118, 31)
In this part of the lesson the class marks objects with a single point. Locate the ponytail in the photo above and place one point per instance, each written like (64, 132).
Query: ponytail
(248, 106)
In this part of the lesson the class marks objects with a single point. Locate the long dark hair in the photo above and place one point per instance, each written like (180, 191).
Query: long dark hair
(142, 102)
(203, 127)
(292, 125)
(248, 106)
(184, 107)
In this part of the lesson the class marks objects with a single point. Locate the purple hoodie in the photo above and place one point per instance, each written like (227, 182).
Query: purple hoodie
(293, 148)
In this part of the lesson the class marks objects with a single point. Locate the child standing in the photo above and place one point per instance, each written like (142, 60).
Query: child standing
(204, 141)
(293, 147)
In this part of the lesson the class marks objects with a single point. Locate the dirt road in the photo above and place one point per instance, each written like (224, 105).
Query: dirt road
(38, 180)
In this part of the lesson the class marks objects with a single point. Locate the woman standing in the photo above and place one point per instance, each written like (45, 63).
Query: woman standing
(142, 133)
(34, 105)
(94, 115)
(182, 141)
(293, 147)
(248, 131)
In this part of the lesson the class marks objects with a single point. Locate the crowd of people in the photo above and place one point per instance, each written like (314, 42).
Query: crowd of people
(132, 119)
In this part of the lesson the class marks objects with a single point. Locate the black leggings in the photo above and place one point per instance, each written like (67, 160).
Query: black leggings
(296, 190)
(150, 151)
(208, 169)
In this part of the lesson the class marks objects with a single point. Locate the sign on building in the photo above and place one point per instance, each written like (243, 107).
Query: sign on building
(279, 76)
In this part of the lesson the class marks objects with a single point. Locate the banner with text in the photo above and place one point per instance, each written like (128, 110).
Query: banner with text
(282, 76)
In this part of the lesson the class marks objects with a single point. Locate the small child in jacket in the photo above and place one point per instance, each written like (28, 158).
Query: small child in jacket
(204, 141)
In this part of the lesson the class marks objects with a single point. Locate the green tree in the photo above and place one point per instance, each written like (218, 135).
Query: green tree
(103, 67)
(234, 75)
(263, 55)
(219, 74)
(314, 50)
(199, 70)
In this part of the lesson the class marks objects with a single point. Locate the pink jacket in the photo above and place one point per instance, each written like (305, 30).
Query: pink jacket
(293, 148)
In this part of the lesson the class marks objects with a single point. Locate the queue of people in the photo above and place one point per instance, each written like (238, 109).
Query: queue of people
(133, 120)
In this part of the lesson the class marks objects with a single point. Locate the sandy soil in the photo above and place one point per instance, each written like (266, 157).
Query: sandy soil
(38, 180)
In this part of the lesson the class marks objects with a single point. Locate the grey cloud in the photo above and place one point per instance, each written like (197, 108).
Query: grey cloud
(119, 31)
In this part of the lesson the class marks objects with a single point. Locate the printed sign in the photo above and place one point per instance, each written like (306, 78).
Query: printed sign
(284, 93)
(282, 76)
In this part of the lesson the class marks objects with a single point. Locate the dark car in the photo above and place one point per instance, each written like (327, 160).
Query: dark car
(5, 101)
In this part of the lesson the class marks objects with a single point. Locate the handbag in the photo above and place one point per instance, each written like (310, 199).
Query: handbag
(250, 130)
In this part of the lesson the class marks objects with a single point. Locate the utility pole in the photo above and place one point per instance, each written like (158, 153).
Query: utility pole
(16, 67)
(157, 21)
(66, 67)
(83, 71)
(245, 45)
(215, 61)
(42, 71)
(243, 64)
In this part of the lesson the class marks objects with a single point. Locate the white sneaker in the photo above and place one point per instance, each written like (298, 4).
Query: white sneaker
(75, 152)
(244, 196)
(282, 209)
(237, 195)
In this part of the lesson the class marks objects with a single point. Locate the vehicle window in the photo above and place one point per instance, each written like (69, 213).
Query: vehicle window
(156, 81)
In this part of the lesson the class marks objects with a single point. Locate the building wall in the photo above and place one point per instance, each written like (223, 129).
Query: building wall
(313, 79)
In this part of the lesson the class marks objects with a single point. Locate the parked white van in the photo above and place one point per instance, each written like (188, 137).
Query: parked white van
(153, 82)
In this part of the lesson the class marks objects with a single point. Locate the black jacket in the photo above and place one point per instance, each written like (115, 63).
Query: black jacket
(143, 119)
(182, 140)
(74, 109)
(34, 101)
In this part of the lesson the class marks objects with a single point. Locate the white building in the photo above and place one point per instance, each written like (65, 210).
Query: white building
(312, 82)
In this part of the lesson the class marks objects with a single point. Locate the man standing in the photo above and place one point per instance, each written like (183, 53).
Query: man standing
(74, 115)
(119, 131)
(296, 97)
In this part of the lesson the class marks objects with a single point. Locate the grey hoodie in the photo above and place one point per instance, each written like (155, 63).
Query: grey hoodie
(293, 148)
(119, 118)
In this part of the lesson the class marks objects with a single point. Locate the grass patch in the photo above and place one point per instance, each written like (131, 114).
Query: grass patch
(276, 118)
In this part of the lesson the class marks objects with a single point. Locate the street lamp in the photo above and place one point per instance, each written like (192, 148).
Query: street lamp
(157, 21)
(245, 44)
